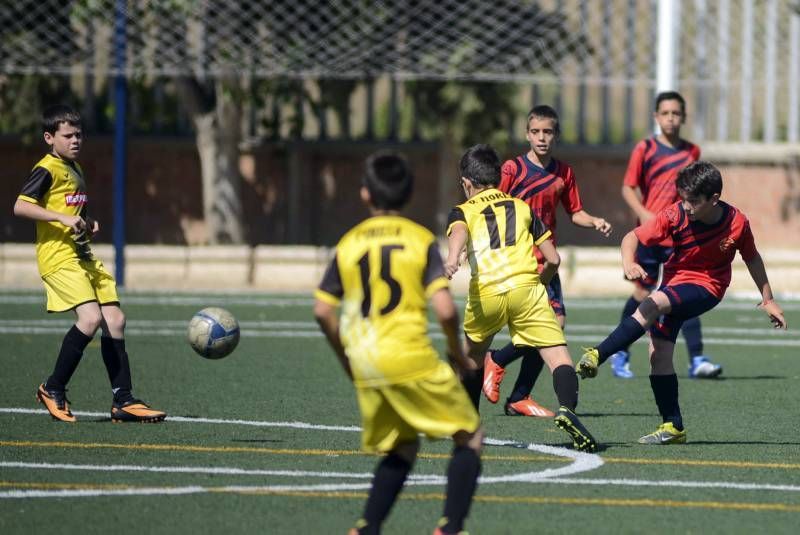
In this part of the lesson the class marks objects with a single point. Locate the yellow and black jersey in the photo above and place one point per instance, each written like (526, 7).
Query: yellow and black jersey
(502, 232)
(384, 270)
(57, 185)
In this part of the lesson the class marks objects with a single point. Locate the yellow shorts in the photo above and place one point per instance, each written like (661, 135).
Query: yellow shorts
(78, 282)
(436, 405)
(527, 312)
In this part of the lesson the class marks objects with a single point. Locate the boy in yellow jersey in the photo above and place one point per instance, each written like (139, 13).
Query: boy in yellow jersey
(499, 232)
(384, 272)
(55, 197)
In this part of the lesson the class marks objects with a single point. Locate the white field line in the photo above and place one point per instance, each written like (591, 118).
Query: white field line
(582, 462)
(282, 329)
(733, 302)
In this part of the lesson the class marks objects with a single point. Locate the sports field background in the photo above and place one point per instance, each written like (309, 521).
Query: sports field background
(266, 440)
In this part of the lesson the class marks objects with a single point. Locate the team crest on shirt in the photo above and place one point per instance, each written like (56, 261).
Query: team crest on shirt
(75, 199)
(725, 244)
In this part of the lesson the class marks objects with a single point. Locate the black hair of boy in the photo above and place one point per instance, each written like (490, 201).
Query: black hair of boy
(670, 95)
(481, 166)
(53, 116)
(699, 179)
(388, 180)
(543, 111)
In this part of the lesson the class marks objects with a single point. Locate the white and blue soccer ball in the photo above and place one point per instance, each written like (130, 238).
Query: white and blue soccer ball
(213, 333)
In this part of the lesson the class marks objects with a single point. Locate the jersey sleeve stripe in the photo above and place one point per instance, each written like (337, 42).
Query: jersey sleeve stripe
(325, 297)
(437, 284)
(543, 237)
(29, 199)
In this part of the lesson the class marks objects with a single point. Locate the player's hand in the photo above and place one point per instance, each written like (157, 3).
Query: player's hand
(775, 314)
(75, 222)
(602, 226)
(450, 268)
(634, 271)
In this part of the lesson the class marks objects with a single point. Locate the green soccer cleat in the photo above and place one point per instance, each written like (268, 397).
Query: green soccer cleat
(665, 434)
(582, 440)
(587, 366)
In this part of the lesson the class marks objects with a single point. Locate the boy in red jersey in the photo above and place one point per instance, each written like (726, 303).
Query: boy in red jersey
(543, 182)
(706, 234)
(649, 187)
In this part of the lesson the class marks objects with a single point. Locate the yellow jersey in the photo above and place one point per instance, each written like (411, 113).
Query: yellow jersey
(57, 185)
(502, 232)
(382, 275)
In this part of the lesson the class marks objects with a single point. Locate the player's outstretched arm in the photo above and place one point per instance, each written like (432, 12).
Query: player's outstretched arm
(582, 218)
(456, 241)
(632, 270)
(328, 321)
(33, 211)
(759, 274)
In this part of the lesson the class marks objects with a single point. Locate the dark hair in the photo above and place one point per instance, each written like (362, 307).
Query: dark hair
(60, 113)
(481, 166)
(699, 178)
(670, 95)
(388, 180)
(543, 111)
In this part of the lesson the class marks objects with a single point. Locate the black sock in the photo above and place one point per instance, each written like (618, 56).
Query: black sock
(529, 371)
(473, 383)
(462, 480)
(630, 307)
(693, 334)
(68, 358)
(119, 371)
(627, 332)
(565, 383)
(665, 390)
(390, 475)
(505, 356)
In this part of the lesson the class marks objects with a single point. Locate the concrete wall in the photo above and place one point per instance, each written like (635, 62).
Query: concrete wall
(585, 271)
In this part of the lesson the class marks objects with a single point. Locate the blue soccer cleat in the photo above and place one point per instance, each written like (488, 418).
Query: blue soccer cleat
(702, 368)
(620, 365)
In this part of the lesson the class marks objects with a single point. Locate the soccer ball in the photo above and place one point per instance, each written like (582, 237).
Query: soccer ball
(213, 333)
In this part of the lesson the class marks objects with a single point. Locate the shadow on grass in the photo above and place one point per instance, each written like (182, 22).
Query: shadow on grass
(745, 378)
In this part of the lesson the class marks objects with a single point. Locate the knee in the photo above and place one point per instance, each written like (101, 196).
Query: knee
(650, 308)
(114, 318)
(407, 451)
(90, 320)
(474, 440)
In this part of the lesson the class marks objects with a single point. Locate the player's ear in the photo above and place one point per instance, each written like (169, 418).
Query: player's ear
(365, 196)
(48, 138)
(714, 199)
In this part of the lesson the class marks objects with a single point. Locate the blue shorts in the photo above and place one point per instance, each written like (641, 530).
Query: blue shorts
(687, 301)
(556, 296)
(651, 258)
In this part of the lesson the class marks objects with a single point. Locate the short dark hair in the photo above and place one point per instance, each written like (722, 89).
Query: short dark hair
(60, 113)
(670, 95)
(481, 166)
(543, 111)
(388, 180)
(699, 178)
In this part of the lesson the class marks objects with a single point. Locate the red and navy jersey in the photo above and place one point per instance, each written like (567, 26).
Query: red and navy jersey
(653, 168)
(702, 253)
(541, 188)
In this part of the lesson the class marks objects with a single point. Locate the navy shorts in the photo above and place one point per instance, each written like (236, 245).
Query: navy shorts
(556, 296)
(687, 301)
(651, 258)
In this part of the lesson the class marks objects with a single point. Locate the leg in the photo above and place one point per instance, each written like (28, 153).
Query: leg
(565, 384)
(115, 357)
(462, 480)
(530, 369)
(390, 476)
(473, 382)
(664, 383)
(620, 361)
(124, 408)
(628, 331)
(52, 393)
